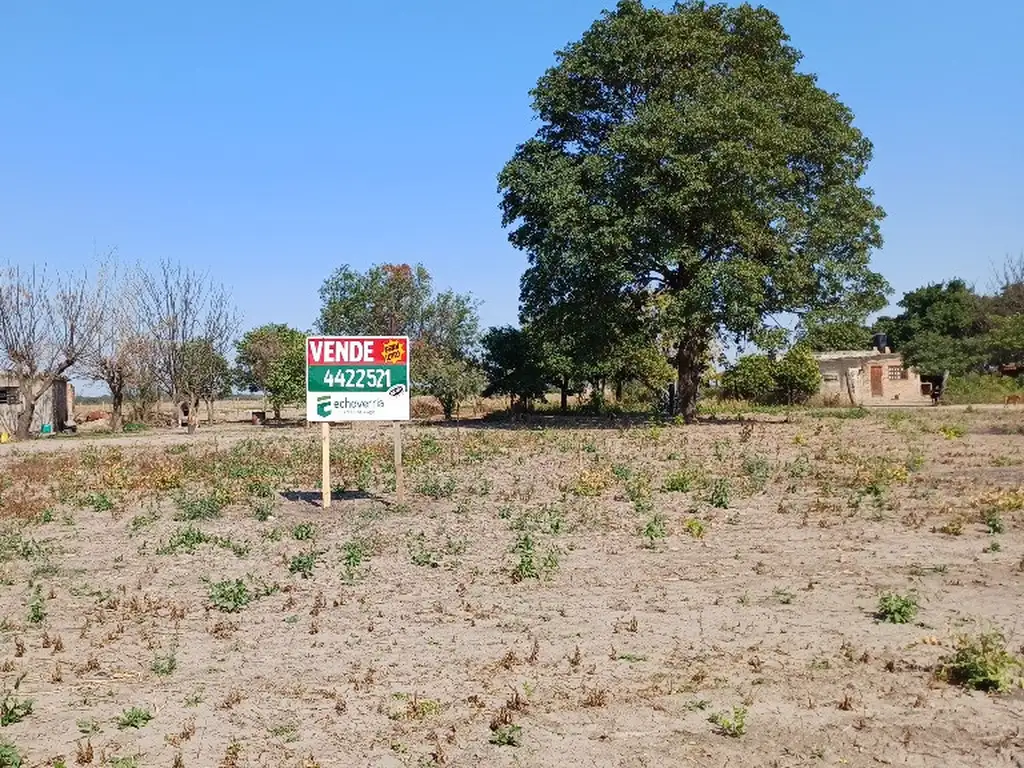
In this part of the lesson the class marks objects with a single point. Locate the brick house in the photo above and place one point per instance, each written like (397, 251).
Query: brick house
(55, 407)
(870, 377)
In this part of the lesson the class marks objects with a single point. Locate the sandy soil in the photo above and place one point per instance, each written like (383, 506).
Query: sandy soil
(421, 636)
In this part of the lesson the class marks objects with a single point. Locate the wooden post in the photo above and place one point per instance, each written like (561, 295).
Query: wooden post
(325, 447)
(399, 477)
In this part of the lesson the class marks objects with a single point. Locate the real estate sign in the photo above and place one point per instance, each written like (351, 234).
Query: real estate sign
(357, 378)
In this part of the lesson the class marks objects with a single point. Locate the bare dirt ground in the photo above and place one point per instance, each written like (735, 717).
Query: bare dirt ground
(570, 595)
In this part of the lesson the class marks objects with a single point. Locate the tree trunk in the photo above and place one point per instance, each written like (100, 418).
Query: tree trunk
(209, 412)
(689, 366)
(116, 410)
(277, 413)
(193, 415)
(618, 391)
(29, 398)
(565, 394)
(24, 425)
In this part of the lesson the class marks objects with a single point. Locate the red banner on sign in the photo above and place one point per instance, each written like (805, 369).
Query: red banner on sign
(357, 350)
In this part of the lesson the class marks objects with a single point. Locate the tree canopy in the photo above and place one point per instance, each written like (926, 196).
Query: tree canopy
(272, 359)
(688, 180)
(397, 300)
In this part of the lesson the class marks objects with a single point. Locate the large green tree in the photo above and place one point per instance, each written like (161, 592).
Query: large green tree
(687, 178)
(272, 359)
(940, 329)
(514, 364)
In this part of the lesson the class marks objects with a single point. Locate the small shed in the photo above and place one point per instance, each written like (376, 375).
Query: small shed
(870, 377)
(54, 409)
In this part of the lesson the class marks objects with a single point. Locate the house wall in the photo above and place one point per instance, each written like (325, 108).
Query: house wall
(846, 380)
(51, 407)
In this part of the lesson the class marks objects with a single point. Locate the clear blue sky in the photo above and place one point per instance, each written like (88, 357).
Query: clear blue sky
(272, 141)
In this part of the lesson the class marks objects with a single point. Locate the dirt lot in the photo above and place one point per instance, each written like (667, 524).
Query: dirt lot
(560, 595)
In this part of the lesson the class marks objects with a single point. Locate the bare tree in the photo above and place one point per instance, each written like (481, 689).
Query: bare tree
(182, 309)
(117, 357)
(47, 324)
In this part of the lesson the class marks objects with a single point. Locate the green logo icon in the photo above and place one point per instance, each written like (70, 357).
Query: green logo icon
(323, 406)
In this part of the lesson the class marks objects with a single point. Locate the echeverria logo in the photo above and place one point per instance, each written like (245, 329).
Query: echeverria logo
(323, 406)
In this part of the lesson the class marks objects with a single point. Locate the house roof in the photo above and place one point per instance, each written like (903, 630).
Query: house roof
(857, 354)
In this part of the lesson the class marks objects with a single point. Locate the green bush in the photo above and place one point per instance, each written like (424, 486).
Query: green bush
(981, 388)
(790, 380)
(981, 662)
(751, 377)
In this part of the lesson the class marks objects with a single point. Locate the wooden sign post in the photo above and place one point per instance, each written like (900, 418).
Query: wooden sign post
(325, 462)
(399, 476)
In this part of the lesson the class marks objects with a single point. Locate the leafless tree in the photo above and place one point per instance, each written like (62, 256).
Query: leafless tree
(118, 356)
(47, 324)
(182, 310)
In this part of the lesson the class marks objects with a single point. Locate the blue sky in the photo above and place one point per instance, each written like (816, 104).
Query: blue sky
(270, 142)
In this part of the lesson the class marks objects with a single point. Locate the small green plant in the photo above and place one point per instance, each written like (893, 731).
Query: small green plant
(525, 567)
(758, 470)
(304, 532)
(436, 486)
(654, 529)
(136, 717)
(164, 665)
(732, 724)
(981, 662)
(37, 607)
(12, 708)
(622, 472)
(954, 527)
(262, 509)
(421, 554)
(127, 761)
(353, 554)
(719, 496)
(202, 506)
(230, 595)
(679, 482)
(507, 736)
(696, 528)
(994, 546)
(303, 564)
(952, 431)
(896, 609)
(188, 538)
(10, 757)
(994, 521)
(139, 522)
(98, 501)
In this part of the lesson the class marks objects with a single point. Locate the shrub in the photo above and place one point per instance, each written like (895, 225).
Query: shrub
(751, 377)
(679, 482)
(981, 662)
(9, 756)
(734, 724)
(980, 388)
(896, 609)
(791, 379)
